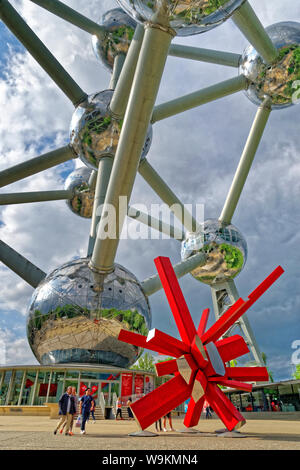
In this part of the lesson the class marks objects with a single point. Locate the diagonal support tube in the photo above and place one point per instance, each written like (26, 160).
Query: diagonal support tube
(117, 69)
(205, 55)
(20, 265)
(72, 16)
(156, 224)
(192, 100)
(167, 196)
(39, 51)
(36, 165)
(103, 175)
(246, 161)
(249, 24)
(142, 97)
(120, 97)
(35, 196)
(153, 283)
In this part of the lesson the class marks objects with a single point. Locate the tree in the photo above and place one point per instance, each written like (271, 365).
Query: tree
(145, 362)
(296, 374)
(264, 358)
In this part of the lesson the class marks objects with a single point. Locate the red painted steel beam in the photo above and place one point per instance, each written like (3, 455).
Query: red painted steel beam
(138, 340)
(226, 411)
(160, 401)
(174, 346)
(223, 323)
(232, 384)
(203, 322)
(166, 368)
(249, 374)
(176, 300)
(193, 413)
(232, 347)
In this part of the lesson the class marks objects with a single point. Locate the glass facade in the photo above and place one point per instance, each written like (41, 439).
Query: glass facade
(40, 385)
(283, 397)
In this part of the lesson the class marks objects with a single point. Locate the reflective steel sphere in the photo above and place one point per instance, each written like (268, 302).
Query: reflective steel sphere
(225, 247)
(187, 17)
(275, 80)
(119, 32)
(83, 197)
(94, 133)
(71, 319)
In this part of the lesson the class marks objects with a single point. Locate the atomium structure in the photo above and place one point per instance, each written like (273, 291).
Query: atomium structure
(78, 310)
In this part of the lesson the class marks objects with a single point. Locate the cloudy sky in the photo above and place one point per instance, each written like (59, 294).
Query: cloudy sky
(196, 152)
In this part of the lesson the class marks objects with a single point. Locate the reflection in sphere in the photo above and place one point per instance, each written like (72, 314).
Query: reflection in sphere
(275, 80)
(187, 17)
(83, 197)
(225, 247)
(95, 133)
(119, 32)
(71, 319)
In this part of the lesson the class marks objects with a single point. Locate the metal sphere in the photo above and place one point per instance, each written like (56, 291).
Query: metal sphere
(225, 247)
(276, 80)
(187, 17)
(95, 133)
(73, 320)
(82, 200)
(117, 38)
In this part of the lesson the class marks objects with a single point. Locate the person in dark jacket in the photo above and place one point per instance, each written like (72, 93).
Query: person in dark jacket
(67, 409)
(86, 405)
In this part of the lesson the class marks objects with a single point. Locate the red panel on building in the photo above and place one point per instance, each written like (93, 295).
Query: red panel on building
(139, 384)
(126, 389)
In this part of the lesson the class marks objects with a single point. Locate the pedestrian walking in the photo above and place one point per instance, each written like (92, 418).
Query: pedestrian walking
(73, 416)
(119, 408)
(169, 416)
(158, 425)
(85, 407)
(129, 403)
(67, 410)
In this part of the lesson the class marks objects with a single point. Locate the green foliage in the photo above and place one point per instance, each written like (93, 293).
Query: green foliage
(264, 358)
(233, 257)
(145, 362)
(134, 320)
(296, 374)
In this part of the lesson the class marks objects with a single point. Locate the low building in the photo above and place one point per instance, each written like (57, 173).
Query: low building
(36, 386)
(278, 396)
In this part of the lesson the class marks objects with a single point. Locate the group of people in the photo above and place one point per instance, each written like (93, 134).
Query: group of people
(158, 423)
(119, 408)
(68, 407)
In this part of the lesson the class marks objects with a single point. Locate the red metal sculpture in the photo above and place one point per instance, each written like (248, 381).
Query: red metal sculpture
(199, 366)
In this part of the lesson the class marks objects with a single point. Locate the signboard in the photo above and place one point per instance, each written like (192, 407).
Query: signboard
(126, 389)
(138, 384)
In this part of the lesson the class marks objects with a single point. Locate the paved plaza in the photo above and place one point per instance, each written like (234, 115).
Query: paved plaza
(24, 433)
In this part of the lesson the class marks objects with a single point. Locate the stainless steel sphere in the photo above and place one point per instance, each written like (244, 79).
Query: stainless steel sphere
(71, 320)
(187, 17)
(225, 247)
(276, 80)
(83, 197)
(119, 32)
(95, 133)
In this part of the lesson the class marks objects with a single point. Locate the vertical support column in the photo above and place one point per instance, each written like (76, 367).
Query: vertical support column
(120, 97)
(223, 296)
(103, 175)
(22, 388)
(117, 69)
(34, 387)
(49, 384)
(10, 386)
(142, 97)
